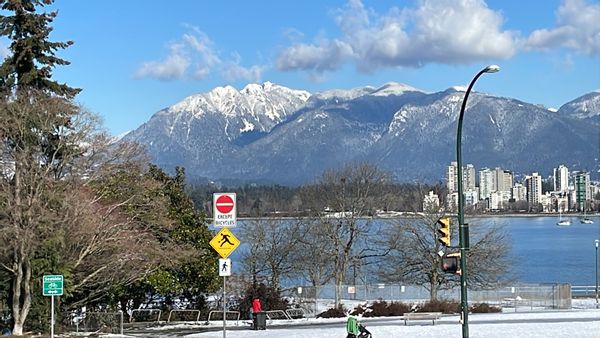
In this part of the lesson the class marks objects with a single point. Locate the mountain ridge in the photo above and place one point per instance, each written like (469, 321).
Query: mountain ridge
(267, 132)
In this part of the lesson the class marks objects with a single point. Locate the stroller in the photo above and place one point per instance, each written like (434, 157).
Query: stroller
(356, 330)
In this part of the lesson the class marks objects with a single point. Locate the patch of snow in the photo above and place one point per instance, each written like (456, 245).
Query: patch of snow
(554, 110)
(393, 88)
(247, 126)
(454, 98)
(459, 88)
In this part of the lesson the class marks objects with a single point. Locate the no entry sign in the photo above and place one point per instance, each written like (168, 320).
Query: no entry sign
(224, 210)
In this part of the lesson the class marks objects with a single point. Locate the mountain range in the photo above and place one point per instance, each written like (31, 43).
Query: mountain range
(267, 133)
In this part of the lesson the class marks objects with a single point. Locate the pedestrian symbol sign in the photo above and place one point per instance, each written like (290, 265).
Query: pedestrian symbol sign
(224, 242)
(52, 285)
(224, 267)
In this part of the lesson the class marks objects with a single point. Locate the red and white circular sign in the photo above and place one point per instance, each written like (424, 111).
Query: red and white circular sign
(224, 204)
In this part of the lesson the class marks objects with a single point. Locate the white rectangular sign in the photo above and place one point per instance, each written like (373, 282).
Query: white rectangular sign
(224, 210)
(224, 267)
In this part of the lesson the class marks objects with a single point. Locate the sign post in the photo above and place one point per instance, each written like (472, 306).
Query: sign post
(224, 210)
(52, 286)
(224, 242)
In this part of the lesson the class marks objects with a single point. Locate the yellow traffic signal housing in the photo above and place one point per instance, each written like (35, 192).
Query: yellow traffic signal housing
(444, 231)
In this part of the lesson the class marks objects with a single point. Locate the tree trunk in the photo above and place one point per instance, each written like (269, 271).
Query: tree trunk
(22, 293)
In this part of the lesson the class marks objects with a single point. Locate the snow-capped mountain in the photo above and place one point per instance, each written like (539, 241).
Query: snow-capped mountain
(584, 107)
(267, 132)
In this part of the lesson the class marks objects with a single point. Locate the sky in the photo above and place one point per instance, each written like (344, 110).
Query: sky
(135, 57)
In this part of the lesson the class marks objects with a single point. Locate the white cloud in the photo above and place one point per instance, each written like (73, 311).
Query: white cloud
(327, 55)
(195, 56)
(437, 31)
(234, 71)
(174, 66)
(577, 28)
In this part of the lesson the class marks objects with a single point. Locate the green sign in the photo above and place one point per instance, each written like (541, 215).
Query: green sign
(53, 285)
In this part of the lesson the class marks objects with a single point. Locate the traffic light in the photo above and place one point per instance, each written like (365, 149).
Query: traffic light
(444, 231)
(450, 263)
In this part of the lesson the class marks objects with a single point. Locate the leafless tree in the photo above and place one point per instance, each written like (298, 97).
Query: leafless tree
(414, 257)
(47, 202)
(271, 246)
(343, 202)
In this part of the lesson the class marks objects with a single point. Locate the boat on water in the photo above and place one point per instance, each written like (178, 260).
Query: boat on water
(585, 219)
(563, 222)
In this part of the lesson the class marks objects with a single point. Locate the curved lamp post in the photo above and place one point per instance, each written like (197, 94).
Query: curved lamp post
(463, 230)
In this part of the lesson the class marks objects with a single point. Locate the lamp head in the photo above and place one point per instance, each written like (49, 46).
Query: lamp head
(491, 69)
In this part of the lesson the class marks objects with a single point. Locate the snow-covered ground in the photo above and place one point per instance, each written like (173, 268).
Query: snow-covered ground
(581, 322)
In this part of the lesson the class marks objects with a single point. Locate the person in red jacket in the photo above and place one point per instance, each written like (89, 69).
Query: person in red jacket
(256, 307)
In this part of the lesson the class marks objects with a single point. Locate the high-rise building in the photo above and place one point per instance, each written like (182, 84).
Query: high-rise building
(582, 189)
(519, 192)
(451, 176)
(503, 180)
(486, 183)
(468, 173)
(469, 177)
(534, 190)
(561, 178)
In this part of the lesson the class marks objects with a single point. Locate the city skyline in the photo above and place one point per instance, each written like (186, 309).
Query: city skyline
(498, 189)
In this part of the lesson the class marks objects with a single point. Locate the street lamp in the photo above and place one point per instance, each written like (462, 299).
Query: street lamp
(596, 241)
(463, 230)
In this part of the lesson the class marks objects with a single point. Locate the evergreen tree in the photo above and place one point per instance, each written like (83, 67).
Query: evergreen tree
(39, 137)
(32, 54)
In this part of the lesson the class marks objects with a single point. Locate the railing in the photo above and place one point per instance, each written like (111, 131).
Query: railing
(583, 291)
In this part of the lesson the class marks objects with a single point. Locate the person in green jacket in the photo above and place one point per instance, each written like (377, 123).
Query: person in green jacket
(352, 327)
(355, 330)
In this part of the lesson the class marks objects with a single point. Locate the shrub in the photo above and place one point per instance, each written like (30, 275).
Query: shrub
(333, 313)
(485, 308)
(381, 309)
(398, 308)
(443, 306)
(270, 299)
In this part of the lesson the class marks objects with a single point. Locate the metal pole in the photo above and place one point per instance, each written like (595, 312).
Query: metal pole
(462, 227)
(52, 316)
(596, 241)
(224, 310)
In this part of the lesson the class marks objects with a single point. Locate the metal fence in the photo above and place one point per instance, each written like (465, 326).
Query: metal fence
(314, 299)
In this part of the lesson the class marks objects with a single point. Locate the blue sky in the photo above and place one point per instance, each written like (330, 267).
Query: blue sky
(135, 57)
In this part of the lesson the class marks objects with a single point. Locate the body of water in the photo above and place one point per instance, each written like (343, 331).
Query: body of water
(543, 252)
(547, 253)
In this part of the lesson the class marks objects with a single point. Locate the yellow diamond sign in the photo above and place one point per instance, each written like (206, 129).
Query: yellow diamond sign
(224, 242)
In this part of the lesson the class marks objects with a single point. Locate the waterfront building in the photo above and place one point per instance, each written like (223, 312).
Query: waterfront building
(451, 177)
(486, 183)
(534, 191)
(561, 178)
(582, 189)
(519, 192)
(503, 180)
(469, 177)
(431, 202)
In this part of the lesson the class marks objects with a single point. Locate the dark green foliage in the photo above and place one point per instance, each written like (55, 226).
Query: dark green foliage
(333, 313)
(270, 299)
(485, 308)
(194, 275)
(443, 306)
(33, 56)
